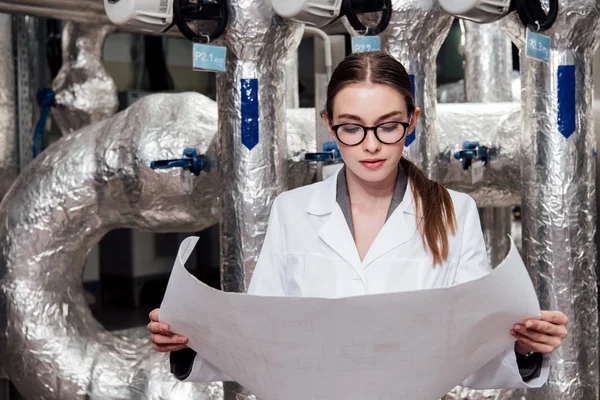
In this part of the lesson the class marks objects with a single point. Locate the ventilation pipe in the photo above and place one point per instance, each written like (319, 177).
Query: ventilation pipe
(559, 206)
(9, 163)
(252, 136)
(85, 93)
(488, 68)
(86, 184)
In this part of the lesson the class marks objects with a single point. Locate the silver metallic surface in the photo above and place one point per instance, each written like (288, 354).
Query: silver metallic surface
(416, 46)
(451, 92)
(258, 43)
(496, 126)
(84, 11)
(559, 209)
(9, 161)
(487, 52)
(92, 181)
(292, 95)
(488, 62)
(470, 394)
(85, 93)
(89, 12)
(9, 149)
(29, 78)
(83, 186)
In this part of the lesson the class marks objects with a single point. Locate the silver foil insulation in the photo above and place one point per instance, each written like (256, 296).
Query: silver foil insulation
(252, 137)
(92, 181)
(85, 93)
(9, 150)
(559, 199)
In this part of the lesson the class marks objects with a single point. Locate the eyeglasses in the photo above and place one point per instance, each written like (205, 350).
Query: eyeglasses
(355, 134)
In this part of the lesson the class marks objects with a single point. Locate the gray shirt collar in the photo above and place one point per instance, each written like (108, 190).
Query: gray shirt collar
(343, 196)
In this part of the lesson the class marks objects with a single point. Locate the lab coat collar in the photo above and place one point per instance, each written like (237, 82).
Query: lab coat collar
(336, 234)
(323, 200)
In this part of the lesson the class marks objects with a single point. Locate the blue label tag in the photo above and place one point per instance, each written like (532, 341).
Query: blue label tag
(566, 93)
(250, 112)
(538, 46)
(361, 44)
(411, 135)
(209, 58)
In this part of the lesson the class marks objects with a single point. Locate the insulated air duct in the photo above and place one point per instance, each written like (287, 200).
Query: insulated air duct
(85, 93)
(559, 199)
(252, 136)
(92, 181)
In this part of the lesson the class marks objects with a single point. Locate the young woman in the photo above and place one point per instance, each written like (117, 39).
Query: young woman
(379, 225)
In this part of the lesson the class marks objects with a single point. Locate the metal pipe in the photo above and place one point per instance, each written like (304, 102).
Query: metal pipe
(252, 137)
(559, 209)
(9, 163)
(496, 126)
(87, 183)
(326, 45)
(488, 63)
(85, 93)
(488, 67)
(9, 149)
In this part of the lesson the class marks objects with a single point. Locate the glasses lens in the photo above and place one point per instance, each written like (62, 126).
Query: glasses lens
(392, 132)
(350, 134)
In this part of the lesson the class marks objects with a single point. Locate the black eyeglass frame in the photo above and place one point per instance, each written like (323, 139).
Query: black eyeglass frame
(366, 130)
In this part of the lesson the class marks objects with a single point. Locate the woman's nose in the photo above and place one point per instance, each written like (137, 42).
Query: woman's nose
(371, 144)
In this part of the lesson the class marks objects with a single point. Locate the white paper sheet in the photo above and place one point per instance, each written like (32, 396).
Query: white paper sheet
(409, 345)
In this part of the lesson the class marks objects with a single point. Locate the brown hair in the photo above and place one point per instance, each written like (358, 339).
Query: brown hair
(432, 200)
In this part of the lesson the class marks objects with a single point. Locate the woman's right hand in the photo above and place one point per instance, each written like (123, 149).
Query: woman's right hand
(160, 336)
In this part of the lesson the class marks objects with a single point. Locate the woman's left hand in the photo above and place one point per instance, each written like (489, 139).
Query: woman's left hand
(541, 335)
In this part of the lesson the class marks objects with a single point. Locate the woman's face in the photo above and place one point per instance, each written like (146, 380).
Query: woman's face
(369, 105)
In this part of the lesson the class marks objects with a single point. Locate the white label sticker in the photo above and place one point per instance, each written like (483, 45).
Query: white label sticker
(186, 181)
(477, 171)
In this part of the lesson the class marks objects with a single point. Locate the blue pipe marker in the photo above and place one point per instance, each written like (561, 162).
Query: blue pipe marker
(412, 135)
(46, 98)
(250, 133)
(566, 100)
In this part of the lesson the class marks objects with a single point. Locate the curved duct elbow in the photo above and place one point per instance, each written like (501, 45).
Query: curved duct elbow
(88, 183)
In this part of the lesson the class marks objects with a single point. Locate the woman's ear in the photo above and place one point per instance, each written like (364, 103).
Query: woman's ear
(414, 119)
(325, 119)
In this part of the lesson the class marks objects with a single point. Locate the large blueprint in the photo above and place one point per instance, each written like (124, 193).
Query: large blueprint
(409, 345)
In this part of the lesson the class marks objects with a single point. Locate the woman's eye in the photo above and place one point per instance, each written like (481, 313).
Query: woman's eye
(389, 127)
(350, 129)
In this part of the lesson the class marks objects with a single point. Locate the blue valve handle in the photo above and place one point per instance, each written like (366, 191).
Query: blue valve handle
(191, 161)
(472, 151)
(330, 152)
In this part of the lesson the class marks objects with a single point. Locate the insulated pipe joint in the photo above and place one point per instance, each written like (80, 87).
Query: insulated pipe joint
(559, 199)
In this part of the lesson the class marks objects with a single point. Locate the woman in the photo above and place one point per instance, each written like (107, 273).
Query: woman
(379, 225)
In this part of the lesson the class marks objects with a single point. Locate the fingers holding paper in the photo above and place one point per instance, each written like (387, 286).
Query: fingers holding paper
(542, 335)
(161, 337)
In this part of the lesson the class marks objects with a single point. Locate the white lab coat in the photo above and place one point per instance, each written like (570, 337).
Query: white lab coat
(309, 251)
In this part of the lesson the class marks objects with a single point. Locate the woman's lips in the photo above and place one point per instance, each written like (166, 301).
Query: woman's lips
(372, 163)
